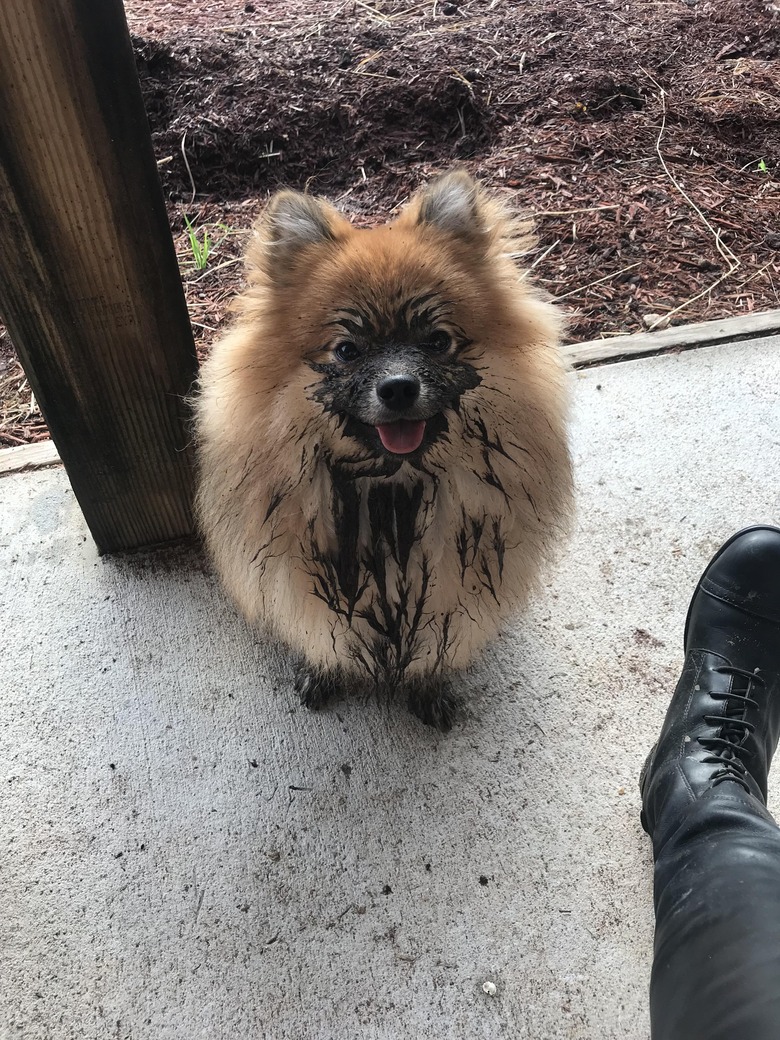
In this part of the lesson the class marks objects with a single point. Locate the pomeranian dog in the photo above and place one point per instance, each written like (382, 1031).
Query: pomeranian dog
(384, 468)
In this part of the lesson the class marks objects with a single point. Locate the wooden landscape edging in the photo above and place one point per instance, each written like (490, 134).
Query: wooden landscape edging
(28, 456)
(89, 284)
(680, 337)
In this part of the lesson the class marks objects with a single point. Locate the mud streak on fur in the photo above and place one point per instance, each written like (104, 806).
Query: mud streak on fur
(370, 573)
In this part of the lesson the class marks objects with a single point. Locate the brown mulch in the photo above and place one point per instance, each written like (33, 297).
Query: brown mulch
(643, 136)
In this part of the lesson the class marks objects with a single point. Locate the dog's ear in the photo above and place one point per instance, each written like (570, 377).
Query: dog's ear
(291, 225)
(458, 207)
(293, 220)
(451, 204)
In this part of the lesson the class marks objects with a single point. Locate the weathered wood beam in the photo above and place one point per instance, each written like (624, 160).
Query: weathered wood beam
(89, 284)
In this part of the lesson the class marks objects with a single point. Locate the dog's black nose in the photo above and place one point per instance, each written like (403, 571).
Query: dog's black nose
(398, 392)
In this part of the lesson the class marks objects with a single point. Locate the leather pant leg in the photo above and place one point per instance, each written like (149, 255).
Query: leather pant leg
(716, 967)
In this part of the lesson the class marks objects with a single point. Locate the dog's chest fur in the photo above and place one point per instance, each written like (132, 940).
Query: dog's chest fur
(407, 570)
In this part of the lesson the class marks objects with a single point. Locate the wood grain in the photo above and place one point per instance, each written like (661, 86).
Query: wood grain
(89, 284)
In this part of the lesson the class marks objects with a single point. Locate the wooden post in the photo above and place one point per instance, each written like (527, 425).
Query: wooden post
(89, 284)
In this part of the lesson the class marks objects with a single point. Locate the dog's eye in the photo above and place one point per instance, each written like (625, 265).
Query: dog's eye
(346, 351)
(438, 342)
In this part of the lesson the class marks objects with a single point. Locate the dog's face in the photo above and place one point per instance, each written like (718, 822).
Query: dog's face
(392, 369)
(388, 328)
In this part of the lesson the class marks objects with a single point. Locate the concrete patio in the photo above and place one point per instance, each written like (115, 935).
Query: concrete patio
(188, 855)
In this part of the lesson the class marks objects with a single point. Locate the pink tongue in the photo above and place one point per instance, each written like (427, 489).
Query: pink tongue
(402, 436)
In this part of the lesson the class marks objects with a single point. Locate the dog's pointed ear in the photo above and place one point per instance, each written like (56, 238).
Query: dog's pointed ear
(291, 224)
(293, 220)
(450, 204)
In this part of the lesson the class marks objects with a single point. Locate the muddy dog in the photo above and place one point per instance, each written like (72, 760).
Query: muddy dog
(384, 468)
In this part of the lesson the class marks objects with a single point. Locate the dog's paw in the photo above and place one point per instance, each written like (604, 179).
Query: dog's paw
(434, 703)
(314, 688)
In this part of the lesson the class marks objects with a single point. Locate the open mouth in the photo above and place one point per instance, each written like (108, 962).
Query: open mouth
(402, 436)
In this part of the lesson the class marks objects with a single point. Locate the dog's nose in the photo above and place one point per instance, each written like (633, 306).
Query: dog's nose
(398, 392)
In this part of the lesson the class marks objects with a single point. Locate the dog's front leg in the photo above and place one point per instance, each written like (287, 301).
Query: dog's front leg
(314, 686)
(432, 700)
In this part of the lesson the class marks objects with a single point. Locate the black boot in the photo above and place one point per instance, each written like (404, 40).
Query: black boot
(723, 723)
(716, 963)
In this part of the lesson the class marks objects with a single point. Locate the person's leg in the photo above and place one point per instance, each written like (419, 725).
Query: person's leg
(716, 968)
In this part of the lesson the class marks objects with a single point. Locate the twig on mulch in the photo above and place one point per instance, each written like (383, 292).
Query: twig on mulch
(728, 255)
(539, 260)
(20, 417)
(187, 164)
(607, 278)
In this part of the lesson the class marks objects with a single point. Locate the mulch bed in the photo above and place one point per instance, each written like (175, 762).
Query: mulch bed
(642, 136)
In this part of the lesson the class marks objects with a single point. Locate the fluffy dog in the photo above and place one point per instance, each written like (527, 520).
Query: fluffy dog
(384, 468)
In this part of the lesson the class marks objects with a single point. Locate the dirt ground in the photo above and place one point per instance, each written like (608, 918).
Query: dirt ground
(642, 135)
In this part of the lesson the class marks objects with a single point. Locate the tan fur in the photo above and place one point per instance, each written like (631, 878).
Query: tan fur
(264, 498)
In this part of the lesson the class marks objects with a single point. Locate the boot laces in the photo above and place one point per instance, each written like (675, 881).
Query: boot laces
(728, 750)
